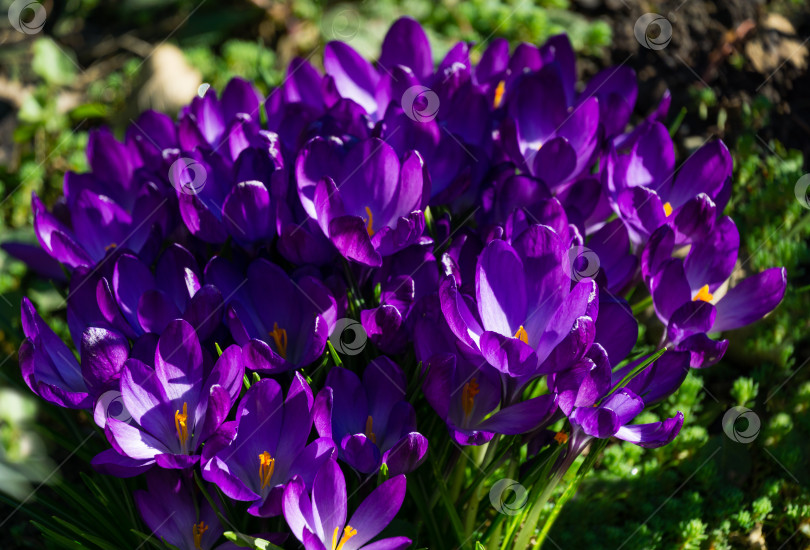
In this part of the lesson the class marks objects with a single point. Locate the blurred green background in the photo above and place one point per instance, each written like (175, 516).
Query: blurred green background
(737, 70)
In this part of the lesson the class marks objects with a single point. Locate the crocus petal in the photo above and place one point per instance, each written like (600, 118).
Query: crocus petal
(297, 508)
(110, 462)
(376, 512)
(406, 44)
(500, 289)
(521, 417)
(352, 241)
(178, 362)
(406, 454)
(752, 299)
(329, 499)
(656, 434)
(354, 77)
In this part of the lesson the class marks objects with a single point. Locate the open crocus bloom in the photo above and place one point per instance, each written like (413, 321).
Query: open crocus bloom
(149, 302)
(51, 370)
(366, 201)
(555, 144)
(320, 522)
(683, 290)
(114, 206)
(281, 324)
(465, 395)
(176, 406)
(647, 193)
(612, 417)
(371, 422)
(174, 513)
(268, 448)
(526, 305)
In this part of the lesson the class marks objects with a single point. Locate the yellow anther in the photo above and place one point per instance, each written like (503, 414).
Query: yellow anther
(469, 392)
(110, 247)
(522, 335)
(348, 532)
(279, 336)
(369, 222)
(499, 90)
(181, 425)
(370, 429)
(703, 294)
(198, 529)
(667, 209)
(266, 466)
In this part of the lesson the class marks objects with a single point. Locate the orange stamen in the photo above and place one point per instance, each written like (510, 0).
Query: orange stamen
(703, 294)
(471, 389)
(499, 90)
(561, 438)
(667, 209)
(279, 336)
(266, 466)
(370, 430)
(522, 335)
(181, 425)
(198, 529)
(348, 532)
(369, 222)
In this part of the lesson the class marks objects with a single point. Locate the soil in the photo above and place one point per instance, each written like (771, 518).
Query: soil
(740, 48)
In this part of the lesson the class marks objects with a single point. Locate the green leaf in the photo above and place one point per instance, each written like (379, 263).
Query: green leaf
(52, 63)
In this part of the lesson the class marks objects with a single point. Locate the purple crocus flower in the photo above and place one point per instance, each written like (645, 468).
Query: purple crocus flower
(646, 193)
(116, 205)
(370, 421)
(612, 417)
(150, 302)
(51, 370)
(269, 446)
(683, 290)
(220, 197)
(281, 323)
(553, 143)
(175, 513)
(176, 406)
(526, 305)
(404, 278)
(320, 522)
(465, 395)
(367, 202)
(98, 226)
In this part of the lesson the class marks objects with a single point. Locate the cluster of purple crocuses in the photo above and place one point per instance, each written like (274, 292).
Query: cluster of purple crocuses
(266, 291)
